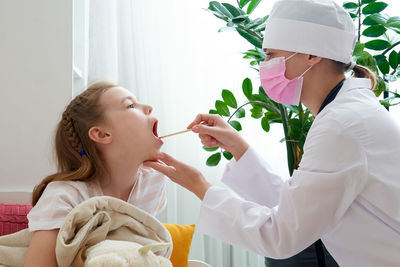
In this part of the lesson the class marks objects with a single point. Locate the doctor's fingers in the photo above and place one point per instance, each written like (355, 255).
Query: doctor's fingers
(213, 131)
(207, 119)
(160, 167)
(169, 160)
(208, 140)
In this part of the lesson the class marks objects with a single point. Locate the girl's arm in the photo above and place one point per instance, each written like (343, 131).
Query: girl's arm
(42, 249)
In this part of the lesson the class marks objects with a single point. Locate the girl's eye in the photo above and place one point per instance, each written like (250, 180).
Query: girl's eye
(131, 106)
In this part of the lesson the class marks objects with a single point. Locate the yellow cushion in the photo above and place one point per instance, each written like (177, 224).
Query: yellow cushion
(181, 240)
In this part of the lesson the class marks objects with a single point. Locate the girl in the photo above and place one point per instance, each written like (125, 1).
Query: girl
(103, 138)
(346, 190)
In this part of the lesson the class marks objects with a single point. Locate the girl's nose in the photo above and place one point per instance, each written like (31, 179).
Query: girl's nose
(148, 109)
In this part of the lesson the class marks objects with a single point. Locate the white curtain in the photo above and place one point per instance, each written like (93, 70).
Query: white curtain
(170, 55)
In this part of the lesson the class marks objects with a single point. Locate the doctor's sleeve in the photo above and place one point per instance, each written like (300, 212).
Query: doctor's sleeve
(251, 173)
(332, 173)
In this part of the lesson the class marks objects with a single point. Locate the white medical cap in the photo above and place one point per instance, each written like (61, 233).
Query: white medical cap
(317, 27)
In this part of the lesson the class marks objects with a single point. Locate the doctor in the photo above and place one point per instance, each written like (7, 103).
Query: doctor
(346, 190)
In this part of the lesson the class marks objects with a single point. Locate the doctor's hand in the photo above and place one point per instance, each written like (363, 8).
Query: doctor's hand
(214, 131)
(180, 173)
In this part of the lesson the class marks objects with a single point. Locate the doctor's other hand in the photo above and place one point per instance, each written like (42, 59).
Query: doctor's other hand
(180, 173)
(214, 131)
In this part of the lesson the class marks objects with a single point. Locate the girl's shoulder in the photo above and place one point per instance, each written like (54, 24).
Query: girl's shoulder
(57, 200)
(79, 189)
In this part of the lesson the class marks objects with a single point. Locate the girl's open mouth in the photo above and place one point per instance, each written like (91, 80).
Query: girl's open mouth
(155, 129)
(155, 133)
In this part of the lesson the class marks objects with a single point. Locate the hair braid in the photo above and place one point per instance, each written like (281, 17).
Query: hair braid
(70, 133)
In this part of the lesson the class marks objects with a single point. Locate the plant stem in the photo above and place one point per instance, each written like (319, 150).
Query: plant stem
(390, 48)
(289, 147)
(301, 113)
(253, 102)
(359, 21)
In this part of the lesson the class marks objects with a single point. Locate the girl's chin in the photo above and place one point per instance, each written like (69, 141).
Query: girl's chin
(153, 155)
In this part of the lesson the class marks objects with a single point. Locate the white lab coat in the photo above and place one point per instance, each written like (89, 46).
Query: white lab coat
(346, 190)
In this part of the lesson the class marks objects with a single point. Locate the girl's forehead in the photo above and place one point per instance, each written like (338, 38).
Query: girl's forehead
(117, 94)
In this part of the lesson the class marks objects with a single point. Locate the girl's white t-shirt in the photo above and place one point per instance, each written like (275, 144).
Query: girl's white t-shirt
(60, 197)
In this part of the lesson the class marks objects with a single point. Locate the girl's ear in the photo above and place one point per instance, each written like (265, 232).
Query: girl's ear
(312, 60)
(98, 135)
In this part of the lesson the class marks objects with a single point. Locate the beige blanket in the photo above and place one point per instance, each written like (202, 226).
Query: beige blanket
(90, 222)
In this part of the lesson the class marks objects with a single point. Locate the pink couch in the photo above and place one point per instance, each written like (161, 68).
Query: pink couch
(13, 217)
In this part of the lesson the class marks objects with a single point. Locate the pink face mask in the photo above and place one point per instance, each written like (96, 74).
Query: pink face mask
(276, 85)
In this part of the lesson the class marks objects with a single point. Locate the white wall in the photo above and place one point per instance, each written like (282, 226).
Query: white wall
(35, 85)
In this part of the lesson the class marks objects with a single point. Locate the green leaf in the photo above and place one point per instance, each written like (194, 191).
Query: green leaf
(214, 159)
(374, 19)
(220, 9)
(380, 86)
(374, 7)
(264, 97)
(241, 113)
(352, 15)
(385, 103)
(210, 149)
(377, 44)
(229, 98)
(255, 97)
(374, 31)
(255, 23)
(393, 60)
(253, 4)
(242, 3)
(358, 49)
(379, 59)
(275, 121)
(368, 61)
(227, 155)
(393, 22)
(217, 14)
(260, 28)
(239, 19)
(365, 59)
(233, 10)
(271, 115)
(292, 108)
(363, 2)
(212, 111)
(384, 67)
(398, 60)
(236, 125)
(254, 40)
(350, 5)
(265, 124)
(247, 88)
(222, 108)
(256, 112)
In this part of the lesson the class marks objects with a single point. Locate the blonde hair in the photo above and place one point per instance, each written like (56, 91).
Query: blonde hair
(76, 154)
